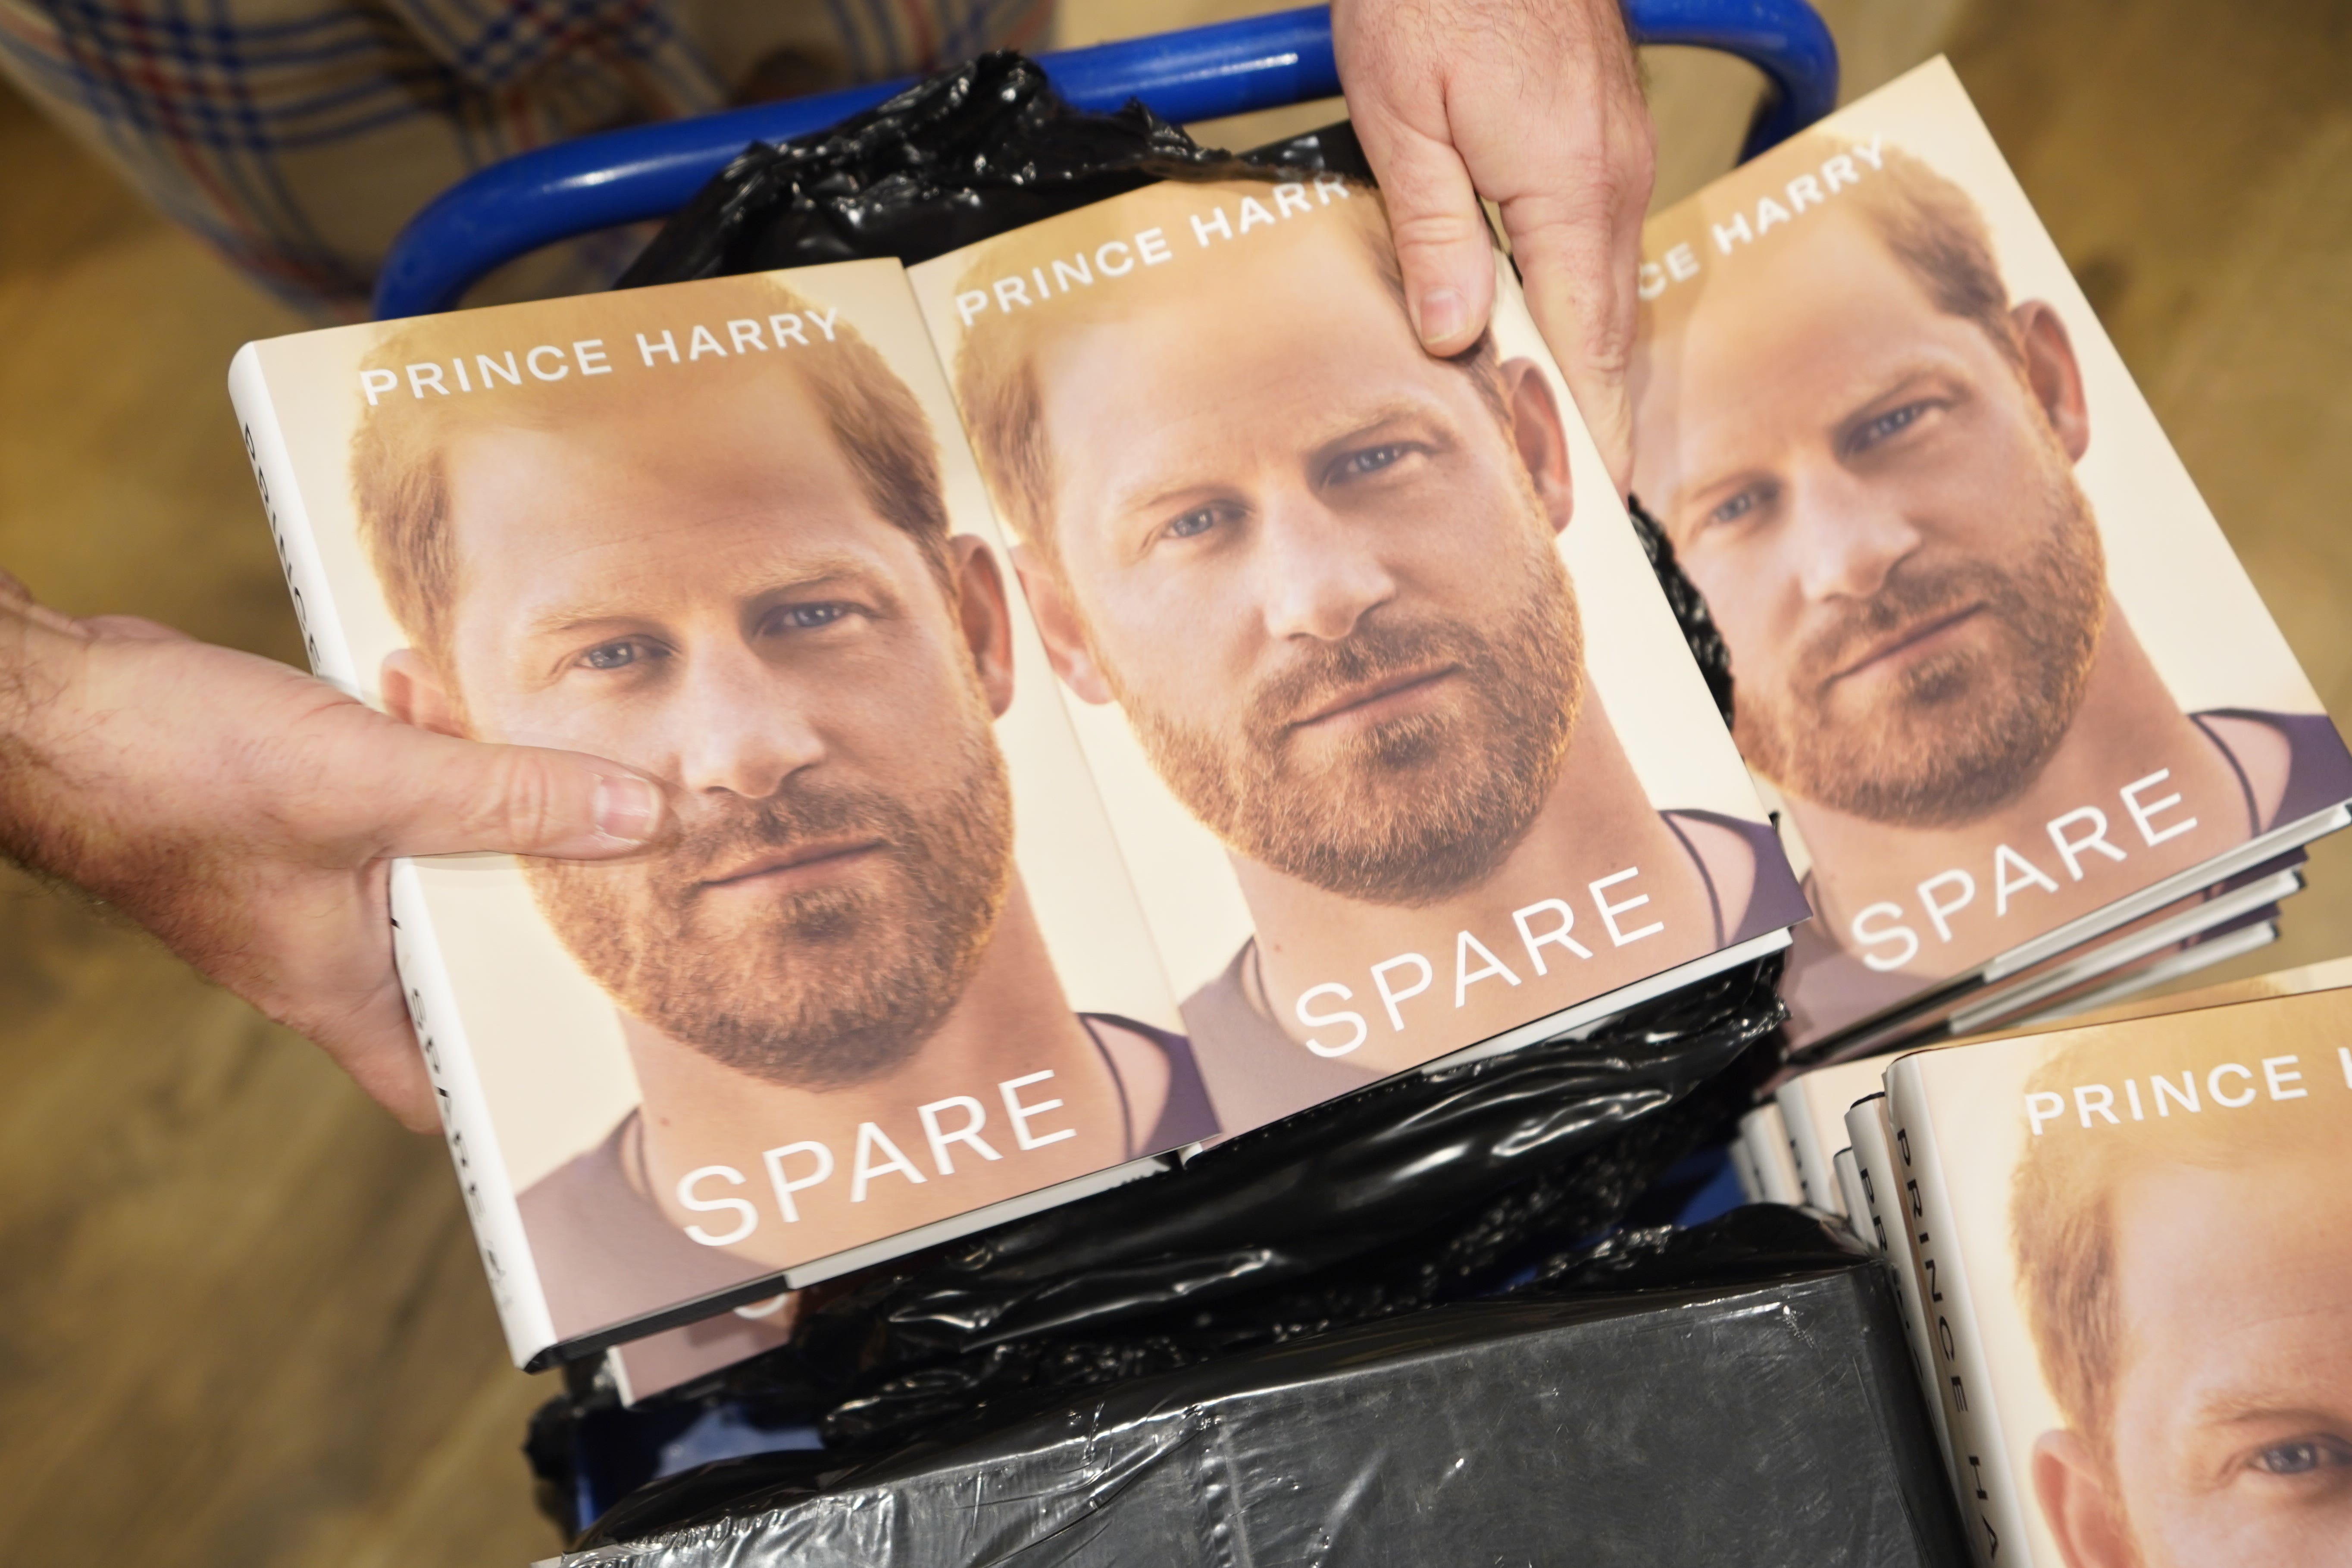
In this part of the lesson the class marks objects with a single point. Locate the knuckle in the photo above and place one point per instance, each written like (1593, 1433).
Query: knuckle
(1608, 352)
(521, 806)
(1604, 178)
(1435, 228)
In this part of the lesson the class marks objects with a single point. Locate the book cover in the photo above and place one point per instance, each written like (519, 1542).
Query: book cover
(1405, 749)
(887, 978)
(2145, 1237)
(1992, 654)
(1815, 1103)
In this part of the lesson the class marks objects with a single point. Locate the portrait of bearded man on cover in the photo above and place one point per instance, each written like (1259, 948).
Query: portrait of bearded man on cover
(1865, 452)
(738, 573)
(2185, 1281)
(1320, 573)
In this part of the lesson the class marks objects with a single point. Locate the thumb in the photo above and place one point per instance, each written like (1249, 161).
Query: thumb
(449, 796)
(1444, 246)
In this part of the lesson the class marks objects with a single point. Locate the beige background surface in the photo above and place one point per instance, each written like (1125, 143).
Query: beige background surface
(241, 1323)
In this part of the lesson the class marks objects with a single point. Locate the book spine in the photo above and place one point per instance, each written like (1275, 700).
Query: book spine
(1809, 1150)
(1768, 1141)
(489, 1195)
(1987, 1488)
(424, 977)
(323, 642)
(1848, 1172)
(1743, 1171)
(1873, 1153)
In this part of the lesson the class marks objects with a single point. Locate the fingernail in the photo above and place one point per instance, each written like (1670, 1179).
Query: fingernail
(628, 809)
(1441, 315)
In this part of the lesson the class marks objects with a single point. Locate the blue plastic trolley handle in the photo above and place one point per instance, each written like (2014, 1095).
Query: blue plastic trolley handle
(513, 207)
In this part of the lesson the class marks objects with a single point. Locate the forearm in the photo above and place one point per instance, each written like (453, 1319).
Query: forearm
(246, 813)
(116, 769)
(40, 670)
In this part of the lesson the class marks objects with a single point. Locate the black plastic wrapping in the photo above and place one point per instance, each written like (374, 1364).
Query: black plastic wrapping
(1699, 630)
(1740, 1392)
(1430, 1189)
(950, 162)
(1427, 1190)
(1421, 1190)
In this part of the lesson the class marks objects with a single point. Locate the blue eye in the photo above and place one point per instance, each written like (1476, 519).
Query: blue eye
(1889, 424)
(1373, 460)
(1735, 509)
(1193, 523)
(615, 655)
(1747, 504)
(807, 617)
(2304, 1456)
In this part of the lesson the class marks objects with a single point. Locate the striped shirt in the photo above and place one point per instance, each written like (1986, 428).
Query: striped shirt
(297, 136)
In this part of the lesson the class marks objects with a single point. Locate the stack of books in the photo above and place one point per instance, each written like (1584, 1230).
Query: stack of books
(2125, 1261)
(1112, 689)
(2031, 739)
(2034, 745)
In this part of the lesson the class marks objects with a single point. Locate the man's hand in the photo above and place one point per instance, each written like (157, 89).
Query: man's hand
(1534, 105)
(244, 813)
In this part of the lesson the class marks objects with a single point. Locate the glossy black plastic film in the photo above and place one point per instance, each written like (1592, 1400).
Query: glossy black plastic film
(1740, 1394)
(948, 162)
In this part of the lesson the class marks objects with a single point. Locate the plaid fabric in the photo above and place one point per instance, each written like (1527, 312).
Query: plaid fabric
(297, 136)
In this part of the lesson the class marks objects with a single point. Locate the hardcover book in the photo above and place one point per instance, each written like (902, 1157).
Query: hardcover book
(1391, 722)
(1771, 1156)
(1002, 865)
(2007, 685)
(1815, 1103)
(2133, 1242)
(1880, 1218)
(2208, 927)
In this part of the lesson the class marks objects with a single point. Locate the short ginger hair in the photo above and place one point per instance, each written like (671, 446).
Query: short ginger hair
(2062, 1216)
(398, 465)
(1937, 232)
(996, 362)
(1931, 226)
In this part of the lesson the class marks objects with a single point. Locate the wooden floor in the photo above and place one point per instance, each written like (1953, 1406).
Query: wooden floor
(240, 1321)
